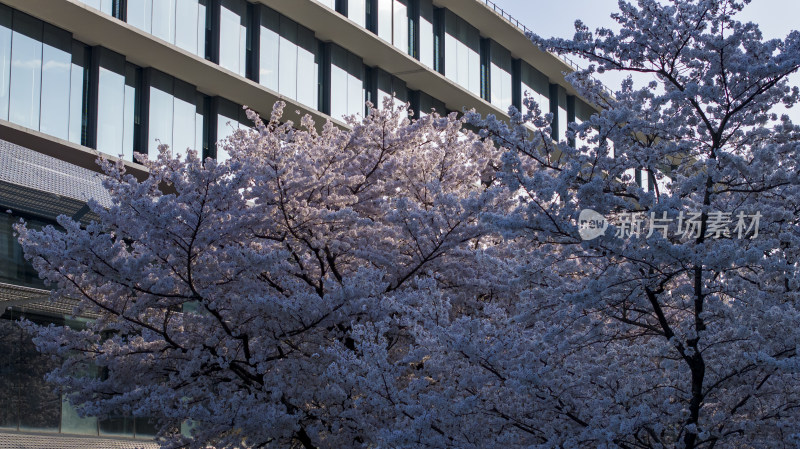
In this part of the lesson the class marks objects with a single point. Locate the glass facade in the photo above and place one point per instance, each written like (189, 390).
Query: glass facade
(232, 35)
(228, 117)
(288, 58)
(558, 106)
(392, 24)
(175, 112)
(14, 269)
(462, 53)
(424, 104)
(41, 65)
(26, 71)
(106, 6)
(179, 22)
(500, 76)
(357, 11)
(579, 112)
(116, 117)
(96, 98)
(425, 29)
(29, 403)
(388, 86)
(536, 85)
(347, 94)
(329, 3)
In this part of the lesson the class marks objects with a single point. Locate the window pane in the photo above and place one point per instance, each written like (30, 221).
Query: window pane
(186, 23)
(307, 68)
(161, 112)
(200, 124)
(120, 426)
(14, 269)
(355, 85)
(164, 20)
(145, 428)
(78, 90)
(561, 119)
(56, 61)
(383, 88)
(106, 6)
(229, 119)
(536, 85)
(474, 64)
(450, 52)
(400, 92)
(93, 3)
(501, 76)
(74, 424)
(184, 125)
(357, 11)
(462, 53)
(110, 101)
(202, 23)
(401, 25)
(329, 3)
(232, 35)
(269, 42)
(338, 89)
(287, 63)
(140, 13)
(129, 112)
(426, 32)
(385, 20)
(428, 104)
(5, 59)
(26, 71)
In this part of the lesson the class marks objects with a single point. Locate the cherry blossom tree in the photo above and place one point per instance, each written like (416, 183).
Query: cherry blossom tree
(410, 284)
(678, 327)
(228, 293)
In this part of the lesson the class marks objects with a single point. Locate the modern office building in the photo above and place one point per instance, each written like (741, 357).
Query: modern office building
(119, 76)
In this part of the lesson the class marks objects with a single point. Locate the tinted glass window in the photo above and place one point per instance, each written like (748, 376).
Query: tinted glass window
(462, 53)
(500, 75)
(140, 14)
(347, 83)
(5, 58)
(56, 68)
(287, 63)
(357, 11)
(269, 45)
(164, 20)
(110, 101)
(184, 136)
(307, 68)
(229, 117)
(78, 91)
(535, 85)
(161, 112)
(26, 71)
(233, 35)
(426, 32)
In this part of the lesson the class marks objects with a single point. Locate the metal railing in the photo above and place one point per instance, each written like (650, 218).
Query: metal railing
(513, 21)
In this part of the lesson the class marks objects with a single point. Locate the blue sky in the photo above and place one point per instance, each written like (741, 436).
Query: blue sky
(776, 19)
